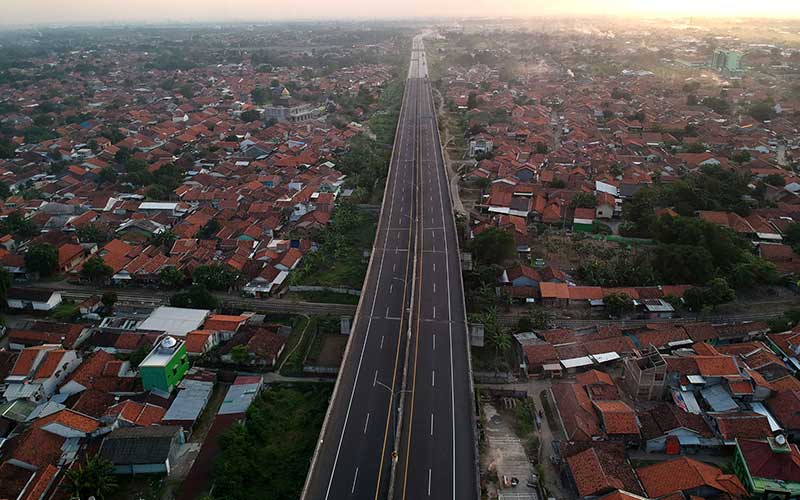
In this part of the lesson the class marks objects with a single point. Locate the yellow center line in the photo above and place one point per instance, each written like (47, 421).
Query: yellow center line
(396, 361)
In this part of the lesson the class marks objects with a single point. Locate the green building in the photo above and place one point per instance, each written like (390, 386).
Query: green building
(165, 366)
(727, 60)
(769, 469)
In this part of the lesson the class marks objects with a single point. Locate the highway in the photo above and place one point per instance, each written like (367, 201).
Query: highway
(437, 455)
(401, 419)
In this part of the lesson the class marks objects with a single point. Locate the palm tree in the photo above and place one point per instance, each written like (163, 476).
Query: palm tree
(497, 336)
(94, 478)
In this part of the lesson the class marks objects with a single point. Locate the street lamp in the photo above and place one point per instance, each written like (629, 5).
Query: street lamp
(397, 410)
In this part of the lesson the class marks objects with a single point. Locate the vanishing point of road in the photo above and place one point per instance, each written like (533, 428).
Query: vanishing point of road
(401, 422)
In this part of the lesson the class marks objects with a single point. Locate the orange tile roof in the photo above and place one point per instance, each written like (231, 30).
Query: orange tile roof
(683, 474)
(554, 290)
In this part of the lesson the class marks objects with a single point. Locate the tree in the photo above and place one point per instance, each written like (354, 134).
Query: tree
(5, 284)
(5, 191)
(719, 292)
(741, 156)
(172, 278)
(91, 233)
(250, 115)
(260, 95)
(163, 239)
(681, 264)
(108, 175)
(208, 230)
(240, 354)
(493, 246)
(558, 184)
(775, 180)
(215, 276)
(695, 299)
(96, 271)
(95, 478)
(196, 297)
(472, 100)
(109, 299)
(42, 259)
(718, 105)
(18, 225)
(762, 111)
(617, 304)
(584, 200)
(139, 354)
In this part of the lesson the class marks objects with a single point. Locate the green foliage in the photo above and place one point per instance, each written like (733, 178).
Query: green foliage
(96, 271)
(6, 148)
(762, 111)
(717, 292)
(741, 156)
(215, 276)
(717, 104)
(208, 231)
(479, 286)
(584, 200)
(270, 452)
(65, 312)
(195, 297)
(493, 246)
(172, 278)
(339, 261)
(682, 264)
(537, 319)
(240, 354)
(472, 100)
(36, 134)
(95, 479)
(109, 299)
(260, 95)
(5, 284)
(91, 233)
(18, 225)
(785, 322)
(366, 164)
(139, 354)
(42, 259)
(108, 175)
(250, 115)
(618, 304)
(163, 239)
(617, 268)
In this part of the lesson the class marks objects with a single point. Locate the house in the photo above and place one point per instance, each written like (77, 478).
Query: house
(690, 477)
(521, 276)
(768, 468)
(583, 220)
(554, 294)
(174, 321)
(600, 468)
(165, 366)
(665, 426)
(38, 372)
(605, 206)
(646, 374)
(264, 345)
(70, 256)
(142, 450)
(37, 299)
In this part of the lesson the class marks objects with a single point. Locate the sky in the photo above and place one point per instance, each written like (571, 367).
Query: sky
(24, 12)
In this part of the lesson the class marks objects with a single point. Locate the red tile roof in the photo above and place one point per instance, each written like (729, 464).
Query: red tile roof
(682, 474)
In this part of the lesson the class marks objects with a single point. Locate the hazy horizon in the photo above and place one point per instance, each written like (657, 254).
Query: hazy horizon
(39, 12)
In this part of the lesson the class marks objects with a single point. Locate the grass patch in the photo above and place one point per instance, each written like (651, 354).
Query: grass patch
(271, 451)
(326, 297)
(296, 347)
(339, 261)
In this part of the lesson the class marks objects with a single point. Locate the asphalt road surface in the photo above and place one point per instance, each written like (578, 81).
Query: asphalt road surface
(391, 429)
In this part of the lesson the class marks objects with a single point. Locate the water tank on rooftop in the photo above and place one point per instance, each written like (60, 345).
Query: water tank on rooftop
(169, 343)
